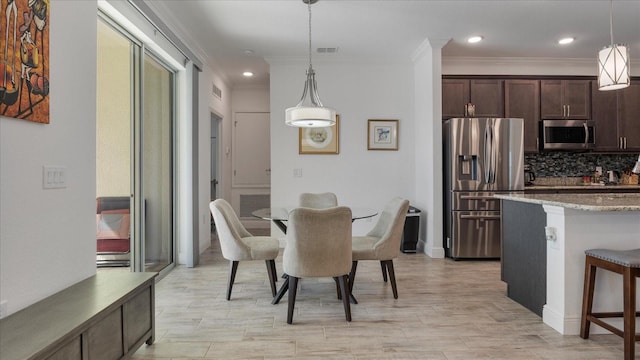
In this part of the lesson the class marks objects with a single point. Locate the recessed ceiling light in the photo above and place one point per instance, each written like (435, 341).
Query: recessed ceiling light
(474, 39)
(247, 74)
(248, 52)
(565, 41)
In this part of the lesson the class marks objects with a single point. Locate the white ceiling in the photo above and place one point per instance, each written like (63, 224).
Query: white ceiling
(393, 29)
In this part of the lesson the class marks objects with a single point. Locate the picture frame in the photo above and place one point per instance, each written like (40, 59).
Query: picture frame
(382, 135)
(323, 140)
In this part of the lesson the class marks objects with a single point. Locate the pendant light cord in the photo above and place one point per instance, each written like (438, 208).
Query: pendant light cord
(309, 6)
(610, 20)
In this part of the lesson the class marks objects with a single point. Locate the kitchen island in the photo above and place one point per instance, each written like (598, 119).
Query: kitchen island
(572, 224)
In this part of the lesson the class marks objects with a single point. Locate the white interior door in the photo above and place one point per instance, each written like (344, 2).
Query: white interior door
(251, 149)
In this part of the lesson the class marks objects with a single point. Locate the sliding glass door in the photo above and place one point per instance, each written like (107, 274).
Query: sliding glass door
(136, 142)
(156, 148)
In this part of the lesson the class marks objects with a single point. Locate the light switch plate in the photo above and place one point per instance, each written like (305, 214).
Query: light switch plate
(54, 177)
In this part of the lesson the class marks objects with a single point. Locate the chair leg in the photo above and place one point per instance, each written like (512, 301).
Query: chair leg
(338, 288)
(392, 277)
(384, 271)
(629, 285)
(283, 289)
(233, 267)
(271, 270)
(352, 275)
(587, 297)
(293, 287)
(344, 288)
(275, 272)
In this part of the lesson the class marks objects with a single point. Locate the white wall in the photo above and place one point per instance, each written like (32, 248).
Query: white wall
(221, 107)
(47, 237)
(359, 177)
(429, 170)
(250, 99)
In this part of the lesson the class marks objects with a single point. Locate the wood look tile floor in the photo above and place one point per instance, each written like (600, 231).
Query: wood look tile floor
(445, 310)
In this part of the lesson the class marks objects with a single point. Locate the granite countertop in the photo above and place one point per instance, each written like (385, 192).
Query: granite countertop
(587, 202)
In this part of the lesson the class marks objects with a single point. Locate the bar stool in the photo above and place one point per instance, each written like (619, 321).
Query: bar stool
(627, 263)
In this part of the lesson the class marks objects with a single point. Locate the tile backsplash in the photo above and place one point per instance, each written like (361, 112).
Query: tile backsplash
(558, 164)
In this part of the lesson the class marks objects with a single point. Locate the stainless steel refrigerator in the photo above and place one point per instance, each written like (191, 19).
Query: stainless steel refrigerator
(482, 157)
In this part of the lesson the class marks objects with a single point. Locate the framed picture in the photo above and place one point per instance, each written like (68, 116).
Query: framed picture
(26, 63)
(382, 135)
(319, 140)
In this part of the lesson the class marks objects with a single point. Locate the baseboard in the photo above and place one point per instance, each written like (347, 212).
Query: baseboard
(570, 325)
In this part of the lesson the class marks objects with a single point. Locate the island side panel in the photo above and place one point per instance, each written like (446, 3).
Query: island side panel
(524, 254)
(577, 231)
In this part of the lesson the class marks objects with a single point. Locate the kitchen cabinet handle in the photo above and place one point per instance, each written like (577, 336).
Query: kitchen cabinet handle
(480, 217)
(564, 110)
(625, 142)
(568, 110)
(620, 143)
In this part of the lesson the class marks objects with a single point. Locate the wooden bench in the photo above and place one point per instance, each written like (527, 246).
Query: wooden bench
(107, 316)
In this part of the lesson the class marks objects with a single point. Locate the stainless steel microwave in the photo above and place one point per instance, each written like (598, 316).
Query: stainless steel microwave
(567, 134)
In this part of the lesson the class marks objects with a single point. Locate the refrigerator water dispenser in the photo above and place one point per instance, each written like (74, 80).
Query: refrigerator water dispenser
(468, 167)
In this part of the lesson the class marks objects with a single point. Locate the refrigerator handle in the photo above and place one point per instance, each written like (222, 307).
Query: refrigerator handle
(494, 154)
(494, 159)
(481, 217)
(487, 155)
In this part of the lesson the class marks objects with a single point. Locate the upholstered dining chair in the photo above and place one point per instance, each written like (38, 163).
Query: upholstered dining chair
(238, 244)
(318, 201)
(382, 243)
(318, 245)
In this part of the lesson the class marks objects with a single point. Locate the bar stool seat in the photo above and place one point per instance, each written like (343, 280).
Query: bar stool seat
(626, 263)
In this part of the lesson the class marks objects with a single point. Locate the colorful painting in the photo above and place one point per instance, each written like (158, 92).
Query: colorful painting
(24, 59)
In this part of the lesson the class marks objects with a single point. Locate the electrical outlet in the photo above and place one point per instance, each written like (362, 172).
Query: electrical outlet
(550, 233)
(297, 172)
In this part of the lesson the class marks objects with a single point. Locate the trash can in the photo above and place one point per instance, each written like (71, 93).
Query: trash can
(410, 231)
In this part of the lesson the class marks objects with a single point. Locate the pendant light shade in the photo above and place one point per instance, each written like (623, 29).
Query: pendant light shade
(310, 112)
(636, 168)
(613, 63)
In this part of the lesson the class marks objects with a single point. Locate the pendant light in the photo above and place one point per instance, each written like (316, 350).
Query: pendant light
(636, 168)
(613, 62)
(310, 112)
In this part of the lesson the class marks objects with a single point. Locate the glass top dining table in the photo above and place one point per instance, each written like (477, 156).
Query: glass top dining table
(278, 215)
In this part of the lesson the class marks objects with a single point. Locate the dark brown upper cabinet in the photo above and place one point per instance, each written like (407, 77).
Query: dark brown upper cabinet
(615, 113)
(522, 100)
(486, 94)
(565, 99)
